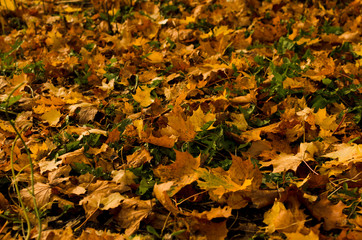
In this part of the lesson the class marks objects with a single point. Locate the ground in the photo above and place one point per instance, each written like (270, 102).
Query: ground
(180, 119)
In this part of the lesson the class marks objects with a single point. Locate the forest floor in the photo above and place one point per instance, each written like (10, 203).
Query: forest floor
(180, 119)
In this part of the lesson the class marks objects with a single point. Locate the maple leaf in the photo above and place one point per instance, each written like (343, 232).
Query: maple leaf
(113, 136)
(343, 155)
(52, 117)
(38, 150)
(290, 220)
(198, 119)
(242, 170)
(123, 177)
(202, 229)
(346, 153)
(132, 212)
(102, 195)
(75, 156)
(93, 234)
(285, 162)
(182, 171)
(143, 96)
(179, 127)
(278, 218)
(331, 213)
(324, 121)
(239, 121)
(161, 193)
(163, 141)
(48, 165)
(205, 62)
(42, 193)
(218, 182)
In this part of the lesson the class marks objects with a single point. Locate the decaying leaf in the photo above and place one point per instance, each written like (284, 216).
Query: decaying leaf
(132, 212)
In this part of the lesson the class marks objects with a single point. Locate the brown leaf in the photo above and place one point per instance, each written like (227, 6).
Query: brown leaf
(42, 193)
(332, 214)
(160, 191)
(183, 129)
(213, 213)
(132, 212)
(202, 229)
(138, 158)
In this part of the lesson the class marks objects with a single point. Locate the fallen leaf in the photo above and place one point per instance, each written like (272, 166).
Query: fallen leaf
(138, 158)
(155, 57)
(132, 212)
(179, 127)
(143, 96)
(52, 117)
(213, 213)
(198, 119)
(332, 214)
(182, 171)
(239, 121)
(42, 193)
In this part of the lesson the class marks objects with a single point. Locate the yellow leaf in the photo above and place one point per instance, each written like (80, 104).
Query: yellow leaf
(219, 182)
(155, 57)
(198, 119)
(218, 31)
(52, 117)
(140, 41)
(239, 121)
(277, 217)
(72, 10)
(138, 123)
(182, 171)
(308, 41)
(54, 38)
(324, 121)
(143, 97)
(123, 177)
(299, 236)
(8, 4)
(6, 126)
(189, 19)
(38, 149)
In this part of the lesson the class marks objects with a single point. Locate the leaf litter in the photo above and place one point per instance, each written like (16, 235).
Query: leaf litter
(180, 119)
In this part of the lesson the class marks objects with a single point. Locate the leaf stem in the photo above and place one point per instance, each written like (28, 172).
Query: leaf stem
(32, 181)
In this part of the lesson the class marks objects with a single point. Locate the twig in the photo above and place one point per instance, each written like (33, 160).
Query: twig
(343, 118)
(86, 220)
(5, 224)
(190, 197)
(164, 225)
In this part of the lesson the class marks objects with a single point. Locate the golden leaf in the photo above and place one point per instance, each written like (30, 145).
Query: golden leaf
(155, 57)
(52, 117)
(8, 4)
(143, 96)
(239, 121)
(198, 119)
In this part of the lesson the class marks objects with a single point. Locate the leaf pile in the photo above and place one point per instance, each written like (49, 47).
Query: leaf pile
(181, 119)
